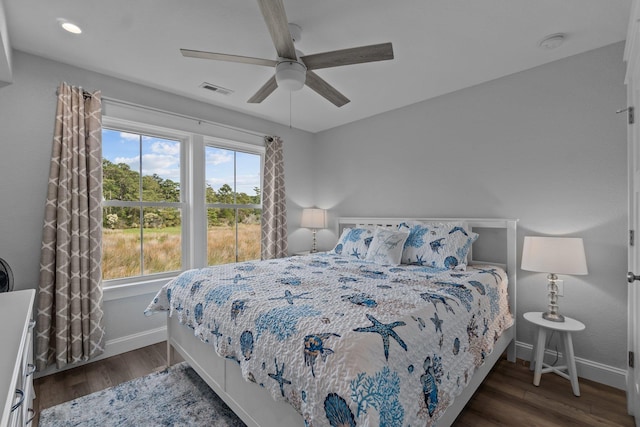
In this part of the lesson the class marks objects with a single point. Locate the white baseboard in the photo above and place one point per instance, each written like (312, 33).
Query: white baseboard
(118, 346)
(133, 342)
(588, 369)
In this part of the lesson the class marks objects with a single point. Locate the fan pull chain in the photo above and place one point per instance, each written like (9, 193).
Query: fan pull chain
(290, 109)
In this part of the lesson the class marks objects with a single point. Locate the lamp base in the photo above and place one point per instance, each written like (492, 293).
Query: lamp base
(313, 248)
(552, 314)
(553, 317)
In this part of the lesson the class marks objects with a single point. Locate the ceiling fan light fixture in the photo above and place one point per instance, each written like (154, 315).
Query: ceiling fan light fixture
(291, 75)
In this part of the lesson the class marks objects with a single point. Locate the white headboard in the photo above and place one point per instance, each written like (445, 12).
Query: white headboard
(509, 225)
(507, 252)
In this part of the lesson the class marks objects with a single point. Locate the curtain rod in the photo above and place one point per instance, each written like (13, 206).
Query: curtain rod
(183, 116)
(85, 93)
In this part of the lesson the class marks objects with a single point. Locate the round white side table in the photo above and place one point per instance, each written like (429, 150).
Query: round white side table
(537, 357)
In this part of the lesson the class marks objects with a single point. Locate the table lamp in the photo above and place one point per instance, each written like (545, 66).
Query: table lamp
(554, 255)
(313, 218)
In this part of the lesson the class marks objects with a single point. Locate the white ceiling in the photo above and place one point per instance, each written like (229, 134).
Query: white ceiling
(440, 46)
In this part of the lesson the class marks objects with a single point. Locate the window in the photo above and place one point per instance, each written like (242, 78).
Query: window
(142, 208)
(233, 205)
(164, 190)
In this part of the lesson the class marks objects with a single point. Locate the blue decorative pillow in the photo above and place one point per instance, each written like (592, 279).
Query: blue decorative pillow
(437, 245)
(354, 242)
(386, 246)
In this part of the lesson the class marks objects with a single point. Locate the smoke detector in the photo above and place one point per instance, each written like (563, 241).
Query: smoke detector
(552, 41)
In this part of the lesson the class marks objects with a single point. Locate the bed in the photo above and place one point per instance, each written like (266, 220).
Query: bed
(352, 336)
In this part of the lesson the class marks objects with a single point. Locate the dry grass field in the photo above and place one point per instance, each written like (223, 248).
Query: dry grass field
(162, 249)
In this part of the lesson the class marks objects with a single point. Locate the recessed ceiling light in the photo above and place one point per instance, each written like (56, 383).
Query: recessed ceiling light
(552, 41)
(70, 27)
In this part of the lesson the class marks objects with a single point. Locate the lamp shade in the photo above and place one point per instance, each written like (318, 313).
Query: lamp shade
(557, 255)
(313, 218)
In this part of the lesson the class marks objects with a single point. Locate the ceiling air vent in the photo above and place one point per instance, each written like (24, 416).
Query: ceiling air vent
(216, 89)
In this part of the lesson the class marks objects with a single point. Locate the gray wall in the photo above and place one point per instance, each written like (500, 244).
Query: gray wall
(27, 112)
(543, 145)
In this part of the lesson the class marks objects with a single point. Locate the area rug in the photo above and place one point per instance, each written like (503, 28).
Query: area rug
(173, 397)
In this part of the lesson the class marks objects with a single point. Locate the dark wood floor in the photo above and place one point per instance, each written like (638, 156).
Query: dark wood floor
(506, 398)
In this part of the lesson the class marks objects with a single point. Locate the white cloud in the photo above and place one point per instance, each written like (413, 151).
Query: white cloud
(218, 157)
(165, 147)
(244, 180)
(166, 166)
(129, 136)
(131, 161)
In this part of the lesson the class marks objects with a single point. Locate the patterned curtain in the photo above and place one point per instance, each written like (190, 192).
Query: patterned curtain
(69, 326)
(274, 203)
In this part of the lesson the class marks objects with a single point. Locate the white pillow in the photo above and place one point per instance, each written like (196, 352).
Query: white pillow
(386, 246)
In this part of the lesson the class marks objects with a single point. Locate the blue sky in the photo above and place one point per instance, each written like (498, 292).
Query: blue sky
(162, 157)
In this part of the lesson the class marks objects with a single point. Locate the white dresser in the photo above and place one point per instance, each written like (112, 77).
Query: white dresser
(16, 357)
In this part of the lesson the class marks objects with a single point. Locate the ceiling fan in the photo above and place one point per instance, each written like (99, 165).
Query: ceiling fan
(292, 70)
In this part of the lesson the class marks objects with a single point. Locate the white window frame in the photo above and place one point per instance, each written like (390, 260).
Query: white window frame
(237, 147)
(185, 139)
(194, 135)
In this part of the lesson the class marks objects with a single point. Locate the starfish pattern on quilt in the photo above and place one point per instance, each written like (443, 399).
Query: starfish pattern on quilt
(289, 297)
(279, 377)
(385, 331)
(437, 322)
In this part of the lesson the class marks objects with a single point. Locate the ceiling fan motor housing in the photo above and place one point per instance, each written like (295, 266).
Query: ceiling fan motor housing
(291, 75)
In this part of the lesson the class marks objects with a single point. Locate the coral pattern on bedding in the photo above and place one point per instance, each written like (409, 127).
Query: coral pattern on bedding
(346, 341)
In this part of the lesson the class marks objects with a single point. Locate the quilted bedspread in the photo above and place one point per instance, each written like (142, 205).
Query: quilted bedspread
(347, 342)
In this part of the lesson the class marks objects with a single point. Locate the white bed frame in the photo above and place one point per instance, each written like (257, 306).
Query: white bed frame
(256, 407)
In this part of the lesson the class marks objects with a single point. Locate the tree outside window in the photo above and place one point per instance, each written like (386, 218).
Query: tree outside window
(233, 203)
(142, 225)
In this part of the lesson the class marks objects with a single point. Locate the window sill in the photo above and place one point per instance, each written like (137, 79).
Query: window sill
(128, 290)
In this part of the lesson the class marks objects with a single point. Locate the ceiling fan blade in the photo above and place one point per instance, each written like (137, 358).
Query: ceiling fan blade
(264, 91)
(229, 58)
(325, 90)
(354, 55)
(278, 25)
